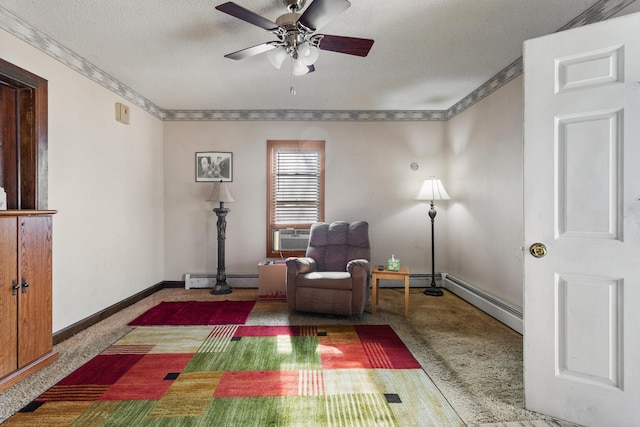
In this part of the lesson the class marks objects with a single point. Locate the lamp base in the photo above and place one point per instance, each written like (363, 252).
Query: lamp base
(221, 289)
(433, 291)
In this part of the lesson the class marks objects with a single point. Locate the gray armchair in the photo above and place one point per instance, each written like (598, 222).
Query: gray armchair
(333, 277)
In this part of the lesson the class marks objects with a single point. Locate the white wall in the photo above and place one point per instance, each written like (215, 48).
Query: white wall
(368, 177)
(485, 179)
(105, 179)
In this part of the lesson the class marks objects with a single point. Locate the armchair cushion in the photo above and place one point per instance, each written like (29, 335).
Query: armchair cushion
(326, 280)
(333, 245)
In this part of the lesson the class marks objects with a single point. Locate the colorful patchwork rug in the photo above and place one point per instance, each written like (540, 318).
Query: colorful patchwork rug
(182, 313)
(232, 375)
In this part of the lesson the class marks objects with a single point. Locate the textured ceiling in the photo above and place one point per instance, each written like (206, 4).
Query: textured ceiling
(427, 55)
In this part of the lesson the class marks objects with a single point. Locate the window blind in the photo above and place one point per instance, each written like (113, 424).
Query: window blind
(296, 186)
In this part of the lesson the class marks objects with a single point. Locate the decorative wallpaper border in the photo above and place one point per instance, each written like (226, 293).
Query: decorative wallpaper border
(600, 11)
(509, 73)
(305, 115)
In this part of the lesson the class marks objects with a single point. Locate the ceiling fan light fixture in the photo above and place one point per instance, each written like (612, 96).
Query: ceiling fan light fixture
(277, 56)
(308, 53)
(299, 68)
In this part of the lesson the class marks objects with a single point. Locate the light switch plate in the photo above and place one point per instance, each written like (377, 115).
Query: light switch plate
(122, 113)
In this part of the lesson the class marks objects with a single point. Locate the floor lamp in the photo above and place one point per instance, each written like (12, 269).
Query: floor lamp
(432, 189)
(221, 194)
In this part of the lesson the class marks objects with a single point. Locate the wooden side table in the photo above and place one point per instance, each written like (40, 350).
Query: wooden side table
(377, 275)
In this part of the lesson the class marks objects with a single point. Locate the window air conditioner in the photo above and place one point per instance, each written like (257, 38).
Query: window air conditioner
(290, 240)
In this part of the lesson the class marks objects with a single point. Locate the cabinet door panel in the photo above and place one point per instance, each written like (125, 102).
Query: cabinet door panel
(34, 308)
(8, 302)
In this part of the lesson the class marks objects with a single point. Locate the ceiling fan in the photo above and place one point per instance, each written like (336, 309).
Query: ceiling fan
(296, 33)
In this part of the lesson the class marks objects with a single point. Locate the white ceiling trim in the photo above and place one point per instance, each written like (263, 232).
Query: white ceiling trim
(598, 12)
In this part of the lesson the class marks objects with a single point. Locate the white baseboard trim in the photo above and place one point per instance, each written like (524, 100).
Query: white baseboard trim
(493, 306)
(208, 280)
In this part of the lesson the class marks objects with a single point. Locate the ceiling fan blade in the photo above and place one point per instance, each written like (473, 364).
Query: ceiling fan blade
(251, 51)
(321, 12)
(246, 15)
(348, 45)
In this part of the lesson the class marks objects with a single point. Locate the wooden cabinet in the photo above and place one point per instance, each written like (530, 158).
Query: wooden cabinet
(25, 294)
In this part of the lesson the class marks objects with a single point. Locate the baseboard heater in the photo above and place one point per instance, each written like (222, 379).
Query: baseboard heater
(208, 280)
(493, 306)
(416, 280)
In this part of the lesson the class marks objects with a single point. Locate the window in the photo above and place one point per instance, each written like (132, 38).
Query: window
(295, 194)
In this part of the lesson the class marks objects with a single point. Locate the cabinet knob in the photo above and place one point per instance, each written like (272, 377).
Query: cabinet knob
(24, 285)
(14, 287)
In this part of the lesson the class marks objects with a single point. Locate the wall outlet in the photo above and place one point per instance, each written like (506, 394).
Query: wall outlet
(122, 113)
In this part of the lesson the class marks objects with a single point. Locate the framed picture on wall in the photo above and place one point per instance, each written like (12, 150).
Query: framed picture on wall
(214, 166)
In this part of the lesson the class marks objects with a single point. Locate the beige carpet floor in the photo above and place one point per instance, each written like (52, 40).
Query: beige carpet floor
(472, 358)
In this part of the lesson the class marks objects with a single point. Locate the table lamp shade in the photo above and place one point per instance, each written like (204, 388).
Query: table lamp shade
(432, 189)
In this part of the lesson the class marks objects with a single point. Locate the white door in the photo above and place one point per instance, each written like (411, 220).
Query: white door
(582, 191)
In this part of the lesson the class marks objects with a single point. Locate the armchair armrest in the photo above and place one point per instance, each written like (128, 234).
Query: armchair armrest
(359, 271)
(302, 265)
(296, 266)
(363, 263)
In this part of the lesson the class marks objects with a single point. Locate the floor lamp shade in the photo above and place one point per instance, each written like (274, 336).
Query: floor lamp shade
(220, 193)
(432, 189)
